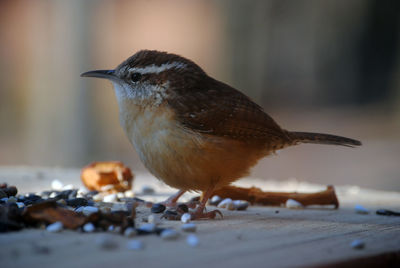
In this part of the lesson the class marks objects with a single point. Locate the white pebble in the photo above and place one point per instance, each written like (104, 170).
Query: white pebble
(89, 210)
(130, 232)
(192, 240)
(110, 198)
(215, 200)
(146, 189)
(134, 244)
(97, 198)
(53, 194)
(68, 187)
(189, 227)
(186, 217)
(148, 227)
(240, 204)
(55, 227)
(154, 219)
(169, 234)
(89, 227)
(357, 244)
(120, 195)
(57, 185)
(129, 194)
(293, 204)
(226, 203)
(106, 242)
(360, 209)
(111, 228)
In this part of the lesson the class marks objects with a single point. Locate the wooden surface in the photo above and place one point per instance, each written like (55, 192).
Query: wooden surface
(258, 237)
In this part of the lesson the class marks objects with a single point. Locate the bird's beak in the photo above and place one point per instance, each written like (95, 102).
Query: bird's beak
(108, 74)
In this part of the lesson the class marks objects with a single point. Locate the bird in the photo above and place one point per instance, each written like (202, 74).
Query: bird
(191, 131)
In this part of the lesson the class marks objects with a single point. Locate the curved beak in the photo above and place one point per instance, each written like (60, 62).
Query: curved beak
(108, 74)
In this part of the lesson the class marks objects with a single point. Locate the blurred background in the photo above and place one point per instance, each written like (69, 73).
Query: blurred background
(323, 66)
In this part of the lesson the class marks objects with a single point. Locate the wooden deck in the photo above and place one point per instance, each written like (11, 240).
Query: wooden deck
(258, 237)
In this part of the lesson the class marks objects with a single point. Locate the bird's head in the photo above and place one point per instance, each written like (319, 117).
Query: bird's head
(149, 77)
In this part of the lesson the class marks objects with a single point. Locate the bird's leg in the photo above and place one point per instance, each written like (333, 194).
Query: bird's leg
(172, 200)
(199, 212)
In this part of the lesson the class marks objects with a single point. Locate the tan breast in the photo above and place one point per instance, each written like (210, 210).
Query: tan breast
(182, 158)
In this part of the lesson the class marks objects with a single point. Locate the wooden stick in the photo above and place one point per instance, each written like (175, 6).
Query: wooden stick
(255, 195)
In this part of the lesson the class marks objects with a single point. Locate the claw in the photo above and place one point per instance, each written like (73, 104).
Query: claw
(206, 215)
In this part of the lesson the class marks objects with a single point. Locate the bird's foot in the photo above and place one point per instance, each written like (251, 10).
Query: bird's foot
(200, 214)
(175, 215)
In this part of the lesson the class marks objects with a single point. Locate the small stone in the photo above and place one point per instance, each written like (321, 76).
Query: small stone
(55, 227)
(68, 187)
(189, 227)
(134, 244)
(357, 244)
(129, 194)
(89, 210)
(226, 203)
(241, 204)
(111, 228)
(120, 195)
(157, 208)
(153, 219)
(12, 199)
(62, 202)
(106, 242)
(169, 234)
(192, 240)
(89, 227)
(4, 199)
(130, 232)
(148, 227)
(110, 198)
(57, 185)
(53, 194)
(215, 200)
(293, 204)
(20, 204)
(79, 209)
(359, 209)
(146, 189)
(77, 202)
(185, 218)
(97, 197)
(105, 210)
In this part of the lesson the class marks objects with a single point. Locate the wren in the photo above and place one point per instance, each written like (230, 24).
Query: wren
(192, 131)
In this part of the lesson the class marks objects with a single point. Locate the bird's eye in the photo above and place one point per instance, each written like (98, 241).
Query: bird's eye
(135, 77)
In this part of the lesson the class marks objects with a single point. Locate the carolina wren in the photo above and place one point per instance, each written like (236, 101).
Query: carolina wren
(191, 131)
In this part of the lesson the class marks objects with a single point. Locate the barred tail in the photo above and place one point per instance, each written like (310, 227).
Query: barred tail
(319, 138)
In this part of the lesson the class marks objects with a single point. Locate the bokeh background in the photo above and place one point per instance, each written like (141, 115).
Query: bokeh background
(329, 66)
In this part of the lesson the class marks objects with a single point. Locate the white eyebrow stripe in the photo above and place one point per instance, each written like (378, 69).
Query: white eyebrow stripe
(158, 69)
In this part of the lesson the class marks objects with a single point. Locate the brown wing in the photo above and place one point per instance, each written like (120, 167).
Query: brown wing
(218, 109)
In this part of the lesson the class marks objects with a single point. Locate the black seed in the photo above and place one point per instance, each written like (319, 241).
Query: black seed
(183, 207)
(11, 191)
(157, 208)
(386, 212)
(77, 202)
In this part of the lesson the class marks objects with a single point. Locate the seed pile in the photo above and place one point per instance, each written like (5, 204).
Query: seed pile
(86, 211)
